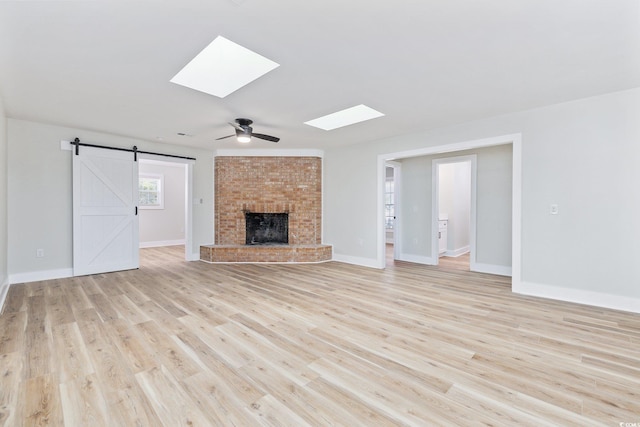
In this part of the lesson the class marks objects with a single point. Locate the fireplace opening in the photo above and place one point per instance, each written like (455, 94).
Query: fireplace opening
(267, 228)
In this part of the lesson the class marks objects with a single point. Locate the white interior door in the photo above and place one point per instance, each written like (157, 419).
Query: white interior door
(105, 220)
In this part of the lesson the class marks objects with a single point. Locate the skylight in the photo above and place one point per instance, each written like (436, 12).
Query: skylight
(347, 117)
(222, 68)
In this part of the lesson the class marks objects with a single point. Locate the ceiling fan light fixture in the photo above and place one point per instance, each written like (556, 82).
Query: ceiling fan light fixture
(244, 132)
(244, 135)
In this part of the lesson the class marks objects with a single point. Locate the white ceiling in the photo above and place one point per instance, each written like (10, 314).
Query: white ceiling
(105, 65)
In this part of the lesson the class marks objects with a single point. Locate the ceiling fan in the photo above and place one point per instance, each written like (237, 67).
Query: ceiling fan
(244, 132)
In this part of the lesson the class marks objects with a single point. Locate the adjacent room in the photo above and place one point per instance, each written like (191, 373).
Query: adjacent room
(243, 213)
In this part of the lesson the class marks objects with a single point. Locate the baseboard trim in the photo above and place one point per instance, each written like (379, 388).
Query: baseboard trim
(418, 259)
(579, 296)
(37, 276)
(364, 262)
(499, 270)
(457, 252)
(4, 291)
(161, 243)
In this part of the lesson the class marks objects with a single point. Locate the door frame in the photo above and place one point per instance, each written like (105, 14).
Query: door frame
(188, 205)
(397, 223)
(516, 208)
(435, 204)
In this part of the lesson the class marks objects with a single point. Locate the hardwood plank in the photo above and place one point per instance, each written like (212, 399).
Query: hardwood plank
(271, 412)
(128, 310)
(72, 360)
(122, 393)
(59, 309)
(238, 386)
(167, 351)
(169, 400)
(37, 339)
(75, 295)
(103, 306)
(215, 398)
(15, 300)
(131, 344)
(11, 393)
(12, 326)
(162, 317)
(42, 402)
(268, 357)
(348, 409)
(216, 339)
(83, 403)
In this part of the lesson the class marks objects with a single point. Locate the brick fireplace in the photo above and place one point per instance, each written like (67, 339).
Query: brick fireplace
(268, 185)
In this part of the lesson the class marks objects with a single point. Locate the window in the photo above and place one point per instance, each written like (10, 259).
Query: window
(151, 191)
(389, 204)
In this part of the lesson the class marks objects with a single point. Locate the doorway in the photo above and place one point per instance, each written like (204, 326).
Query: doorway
(454, 211)
(168, 221)
(161, 203)
(512, 227)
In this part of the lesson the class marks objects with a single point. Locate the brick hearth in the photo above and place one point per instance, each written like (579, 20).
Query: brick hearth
(267, 185)
(247, 253)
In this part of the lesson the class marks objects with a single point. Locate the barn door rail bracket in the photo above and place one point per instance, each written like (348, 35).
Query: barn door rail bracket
(133, 150)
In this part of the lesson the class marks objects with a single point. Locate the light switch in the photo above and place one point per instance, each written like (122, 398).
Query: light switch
(553, 209)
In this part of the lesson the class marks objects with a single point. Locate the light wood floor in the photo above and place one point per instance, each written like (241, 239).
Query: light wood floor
(444, 262)
(179, 343)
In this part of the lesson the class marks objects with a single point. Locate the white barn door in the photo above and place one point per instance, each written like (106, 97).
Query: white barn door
(105, 220)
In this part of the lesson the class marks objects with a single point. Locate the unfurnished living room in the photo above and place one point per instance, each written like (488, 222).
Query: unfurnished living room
(250, 213)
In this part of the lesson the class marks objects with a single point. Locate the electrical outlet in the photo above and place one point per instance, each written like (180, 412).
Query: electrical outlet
(39, 253)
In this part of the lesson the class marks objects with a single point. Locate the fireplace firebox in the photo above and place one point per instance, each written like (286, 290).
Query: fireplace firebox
(267, 228)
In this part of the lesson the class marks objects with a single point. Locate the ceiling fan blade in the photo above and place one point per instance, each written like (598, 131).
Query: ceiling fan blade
(236, 125)
(266, 137)
(224, 137)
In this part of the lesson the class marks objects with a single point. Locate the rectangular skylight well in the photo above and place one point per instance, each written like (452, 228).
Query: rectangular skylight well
(222, 68)
(347, 117)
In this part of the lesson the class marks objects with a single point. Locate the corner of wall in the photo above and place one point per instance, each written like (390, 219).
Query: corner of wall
(363, 262)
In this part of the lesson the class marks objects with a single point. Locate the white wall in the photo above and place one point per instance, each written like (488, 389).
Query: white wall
(4, 274)
(161, 227)
(39, 187)
(580, 155)
(455, 201)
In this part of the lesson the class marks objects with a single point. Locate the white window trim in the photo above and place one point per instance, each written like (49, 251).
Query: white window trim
(160, 177)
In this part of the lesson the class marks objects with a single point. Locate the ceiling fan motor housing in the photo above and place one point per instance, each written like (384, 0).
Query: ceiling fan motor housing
(244, 122)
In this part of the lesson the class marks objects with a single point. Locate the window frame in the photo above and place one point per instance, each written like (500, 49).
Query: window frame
(160, 192)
